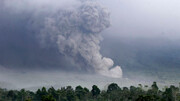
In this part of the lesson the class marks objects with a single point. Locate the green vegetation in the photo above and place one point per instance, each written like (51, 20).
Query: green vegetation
(113, 93)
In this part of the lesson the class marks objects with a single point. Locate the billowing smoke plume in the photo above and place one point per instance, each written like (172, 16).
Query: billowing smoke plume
(75, 32)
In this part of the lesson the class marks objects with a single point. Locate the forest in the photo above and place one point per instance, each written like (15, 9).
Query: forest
(112, 93)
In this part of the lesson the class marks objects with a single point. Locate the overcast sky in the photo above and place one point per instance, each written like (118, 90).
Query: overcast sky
(144, 18)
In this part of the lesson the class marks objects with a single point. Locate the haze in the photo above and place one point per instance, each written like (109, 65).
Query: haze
(124, 41)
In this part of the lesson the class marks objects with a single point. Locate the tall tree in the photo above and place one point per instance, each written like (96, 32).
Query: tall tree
(95, 91)
(112, 87)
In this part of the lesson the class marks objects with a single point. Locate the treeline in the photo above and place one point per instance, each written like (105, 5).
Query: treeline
(113, 93)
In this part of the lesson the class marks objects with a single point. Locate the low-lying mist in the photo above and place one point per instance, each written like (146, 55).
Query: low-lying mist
(32, 80)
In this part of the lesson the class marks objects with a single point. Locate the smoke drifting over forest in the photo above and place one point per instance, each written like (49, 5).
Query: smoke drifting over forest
(71, 27)
(74, 42)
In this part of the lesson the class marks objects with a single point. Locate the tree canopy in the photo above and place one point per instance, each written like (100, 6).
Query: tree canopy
(113, 93)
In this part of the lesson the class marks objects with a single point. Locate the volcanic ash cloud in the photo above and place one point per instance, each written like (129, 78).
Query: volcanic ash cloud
(76, 33)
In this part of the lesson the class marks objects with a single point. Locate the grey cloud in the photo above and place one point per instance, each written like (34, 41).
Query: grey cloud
(73, 31)
(76, 33)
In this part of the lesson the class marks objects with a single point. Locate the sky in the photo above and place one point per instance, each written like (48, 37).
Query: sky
(74, 41)
(144, 18)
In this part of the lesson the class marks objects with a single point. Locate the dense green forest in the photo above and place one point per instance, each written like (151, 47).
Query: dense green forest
(113, 93)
